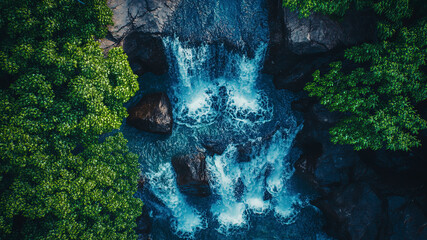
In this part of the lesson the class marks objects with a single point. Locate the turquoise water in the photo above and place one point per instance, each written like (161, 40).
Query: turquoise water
(218, 94)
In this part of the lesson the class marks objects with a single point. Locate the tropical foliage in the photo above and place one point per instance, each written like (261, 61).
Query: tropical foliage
(58, 179)
(380, 95)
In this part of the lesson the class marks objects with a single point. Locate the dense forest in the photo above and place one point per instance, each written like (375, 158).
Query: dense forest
(381, 92)
(61, 95)
(58, 179)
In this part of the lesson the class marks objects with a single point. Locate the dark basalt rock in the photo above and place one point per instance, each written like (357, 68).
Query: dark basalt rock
(146, 53)
(296, 77)
(152, 114)
(191, 174)
(314, 34)
(355, 213)
(407, 220)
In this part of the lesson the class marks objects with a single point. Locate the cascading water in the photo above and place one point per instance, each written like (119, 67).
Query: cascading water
(214, 82)
(218, 94)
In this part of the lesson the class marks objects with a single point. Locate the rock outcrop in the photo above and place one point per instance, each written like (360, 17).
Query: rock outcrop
(153, 114)
(298, 46)
(144, 16)
(363, 195)
(138, 26)
(146, 53)
(319, 33)
(356, 212)
(191, 174)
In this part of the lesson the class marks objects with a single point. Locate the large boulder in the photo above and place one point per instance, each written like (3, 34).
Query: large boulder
(152, 114)
(191, 174)
(319, 33)
(314, 34)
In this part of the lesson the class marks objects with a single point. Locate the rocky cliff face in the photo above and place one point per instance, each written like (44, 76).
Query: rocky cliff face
(138, 26)
(363, 195)
(146, 16)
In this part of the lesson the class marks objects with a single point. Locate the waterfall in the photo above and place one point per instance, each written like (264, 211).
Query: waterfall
(213, 82)
(218, 89)
(267, 171)
(187, 219)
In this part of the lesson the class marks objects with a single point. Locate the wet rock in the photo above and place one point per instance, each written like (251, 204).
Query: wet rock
(143, 224)
(239, 189)
(319, 33)
(241, 26)
(303, 104)
(355, 213)
(146, 53)
(191, 174)
(324, 116)
(246, 150)
(312, 150)
(152, 114)
(141, 181)
(267, 196)
(296, 77)
(407, 220)
(334, 165)
(314, 34)
(215, 146)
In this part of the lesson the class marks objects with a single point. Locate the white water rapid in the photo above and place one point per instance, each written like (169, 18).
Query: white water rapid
(217, 92)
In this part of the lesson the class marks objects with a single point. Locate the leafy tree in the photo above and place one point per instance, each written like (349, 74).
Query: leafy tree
(381, 93)
(57, 179)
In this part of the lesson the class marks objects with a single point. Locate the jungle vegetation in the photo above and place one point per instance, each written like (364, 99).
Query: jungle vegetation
(379, 96)
(58, 178)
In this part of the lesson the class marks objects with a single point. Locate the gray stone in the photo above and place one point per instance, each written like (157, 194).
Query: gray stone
(314, 34)
(319, 33)
(147, 16)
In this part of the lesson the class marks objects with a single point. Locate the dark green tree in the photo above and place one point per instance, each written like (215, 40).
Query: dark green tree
(381, 94)
(58, 180)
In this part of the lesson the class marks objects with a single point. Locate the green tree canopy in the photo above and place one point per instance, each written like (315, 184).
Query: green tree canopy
(381, 94)
(57, 179)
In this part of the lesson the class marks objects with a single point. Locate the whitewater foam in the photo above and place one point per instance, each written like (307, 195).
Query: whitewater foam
(186, 219)
(268, 171)
(204, 72)
(216, 88)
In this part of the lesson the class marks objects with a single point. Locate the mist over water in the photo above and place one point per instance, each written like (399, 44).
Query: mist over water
(218, 94)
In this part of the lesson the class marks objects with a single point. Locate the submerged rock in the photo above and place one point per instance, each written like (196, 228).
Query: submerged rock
(152, 114)
(191, 174)
(215, 146)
